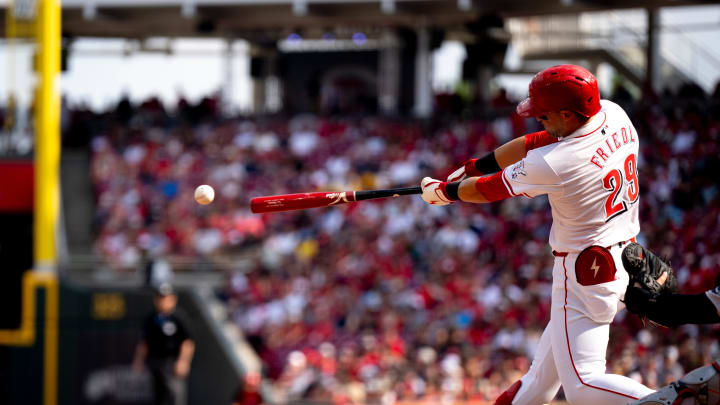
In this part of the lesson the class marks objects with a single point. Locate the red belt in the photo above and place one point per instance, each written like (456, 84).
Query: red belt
(620, 244)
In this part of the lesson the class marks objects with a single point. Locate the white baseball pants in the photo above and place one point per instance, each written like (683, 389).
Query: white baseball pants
(573, 346)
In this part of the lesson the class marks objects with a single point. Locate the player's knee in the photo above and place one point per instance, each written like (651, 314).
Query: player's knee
(506, 397)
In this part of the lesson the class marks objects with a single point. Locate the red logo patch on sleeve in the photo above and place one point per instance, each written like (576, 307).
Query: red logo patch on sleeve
(594, 265)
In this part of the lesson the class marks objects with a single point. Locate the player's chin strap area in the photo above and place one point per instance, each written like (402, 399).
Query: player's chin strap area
(699, 387)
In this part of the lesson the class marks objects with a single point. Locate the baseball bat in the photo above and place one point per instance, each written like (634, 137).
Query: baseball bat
(301, 201)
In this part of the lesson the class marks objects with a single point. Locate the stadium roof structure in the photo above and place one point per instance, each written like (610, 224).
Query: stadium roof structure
(251, 18)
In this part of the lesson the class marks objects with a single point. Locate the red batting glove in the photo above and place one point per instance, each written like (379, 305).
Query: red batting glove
(434, 192)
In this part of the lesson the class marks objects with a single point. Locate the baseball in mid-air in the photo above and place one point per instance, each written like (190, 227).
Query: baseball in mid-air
(204, 194)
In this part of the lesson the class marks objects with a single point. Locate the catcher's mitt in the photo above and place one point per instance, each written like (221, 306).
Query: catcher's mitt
(644, 269)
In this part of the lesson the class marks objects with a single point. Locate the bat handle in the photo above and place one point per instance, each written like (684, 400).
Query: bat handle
(393, 192)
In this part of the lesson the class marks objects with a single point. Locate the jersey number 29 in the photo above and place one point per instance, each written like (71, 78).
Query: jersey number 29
(614, 182)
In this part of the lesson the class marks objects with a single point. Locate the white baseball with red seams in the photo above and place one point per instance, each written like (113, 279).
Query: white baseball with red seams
(204, 194)
(591, 181)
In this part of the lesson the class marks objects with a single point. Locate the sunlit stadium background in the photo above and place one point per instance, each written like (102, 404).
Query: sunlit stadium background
(113, 111)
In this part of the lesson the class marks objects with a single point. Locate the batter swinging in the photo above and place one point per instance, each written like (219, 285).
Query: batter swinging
(586, 162)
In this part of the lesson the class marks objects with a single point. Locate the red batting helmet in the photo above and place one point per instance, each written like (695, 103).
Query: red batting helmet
(562, 87)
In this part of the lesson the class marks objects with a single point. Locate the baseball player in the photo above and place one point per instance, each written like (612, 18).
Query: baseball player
(586, 162)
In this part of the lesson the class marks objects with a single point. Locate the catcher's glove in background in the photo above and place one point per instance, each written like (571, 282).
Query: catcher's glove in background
(644, 268)
(644, 291)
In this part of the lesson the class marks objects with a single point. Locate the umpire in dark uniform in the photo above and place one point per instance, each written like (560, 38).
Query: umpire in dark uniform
(166, 348)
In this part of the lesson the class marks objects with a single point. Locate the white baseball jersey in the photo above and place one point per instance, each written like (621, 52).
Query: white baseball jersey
(590, 177)
(591, 180)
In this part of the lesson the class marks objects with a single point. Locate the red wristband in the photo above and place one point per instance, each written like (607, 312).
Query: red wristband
(482, 166)
(471, 170)
(443, 187)
(450, 190)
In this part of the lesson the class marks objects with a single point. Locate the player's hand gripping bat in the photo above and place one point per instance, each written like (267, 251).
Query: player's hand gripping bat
(301, 201)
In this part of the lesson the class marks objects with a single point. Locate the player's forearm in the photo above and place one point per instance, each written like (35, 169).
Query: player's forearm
(187, 350)
(491, 163)
(470, 190)
(494, 161)
(140, 353)
(510, 152)
(469, 193)
(475, 189)
(507, 154)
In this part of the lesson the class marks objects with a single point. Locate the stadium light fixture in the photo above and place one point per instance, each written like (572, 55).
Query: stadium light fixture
(89, 10)
(300, 7)
(189, 9)
(464, 5)
(294, 37)
(387, 6)
(359, 38)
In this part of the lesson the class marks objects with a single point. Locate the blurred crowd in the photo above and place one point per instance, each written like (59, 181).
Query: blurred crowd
(393, 301)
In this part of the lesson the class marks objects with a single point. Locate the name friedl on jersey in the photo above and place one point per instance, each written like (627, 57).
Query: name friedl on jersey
(613, 142)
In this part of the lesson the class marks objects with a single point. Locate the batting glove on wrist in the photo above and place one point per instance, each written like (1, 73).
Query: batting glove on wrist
(468, 169)
(434, 192)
